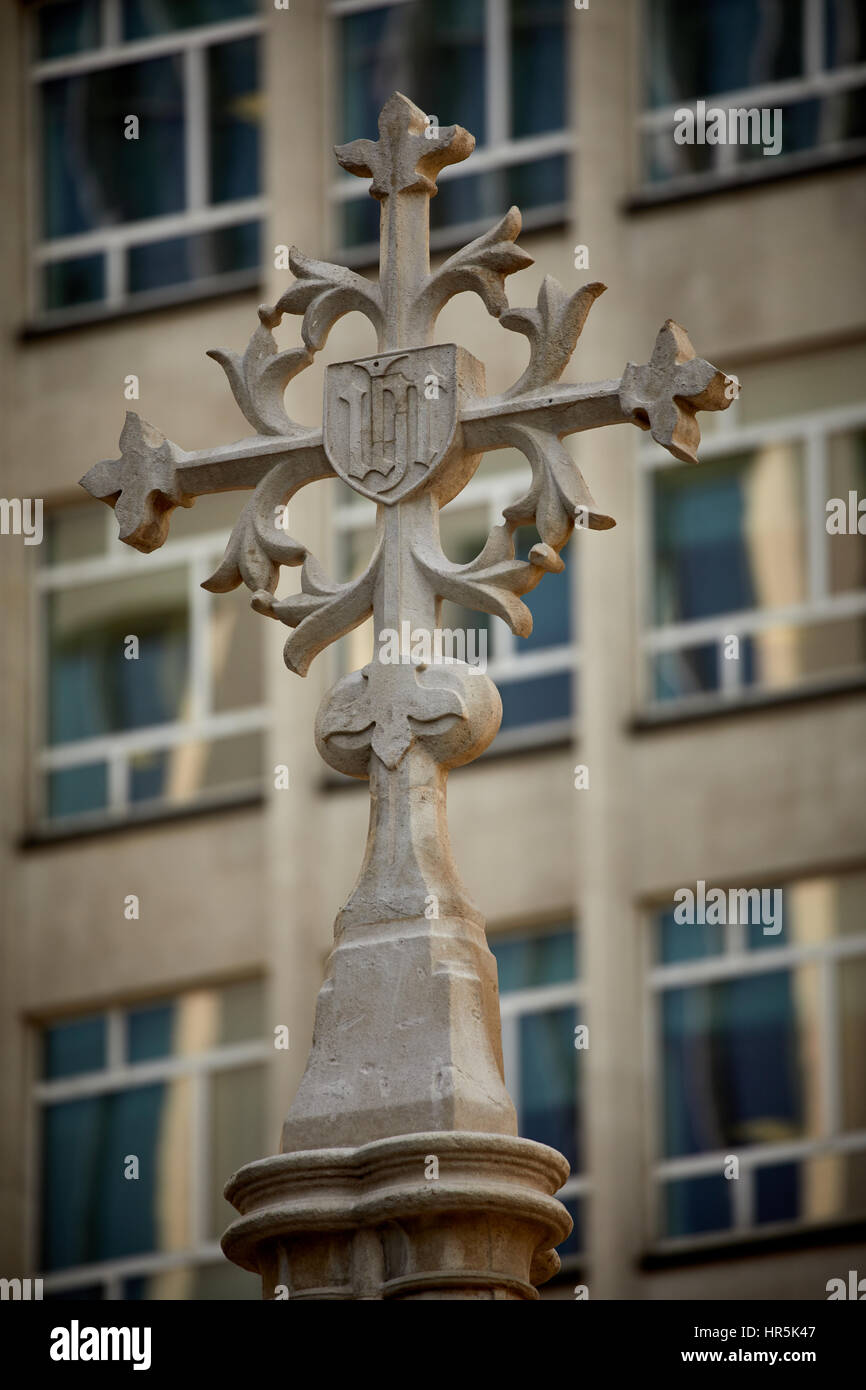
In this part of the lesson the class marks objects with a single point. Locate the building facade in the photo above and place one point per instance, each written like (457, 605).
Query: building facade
(688, 710)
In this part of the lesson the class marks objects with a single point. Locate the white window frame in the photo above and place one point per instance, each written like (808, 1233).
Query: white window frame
(506, 661)
(812, 432)
(198, 215)
(499, 151)
(817, 81)
(515, 1004)
(199, 555)
(118, 1075)
(735, 961)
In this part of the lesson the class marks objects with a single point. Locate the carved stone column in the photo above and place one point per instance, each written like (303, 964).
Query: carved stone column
(400, 1173)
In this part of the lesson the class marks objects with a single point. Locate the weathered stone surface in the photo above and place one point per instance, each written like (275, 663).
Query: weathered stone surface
(406, 1060)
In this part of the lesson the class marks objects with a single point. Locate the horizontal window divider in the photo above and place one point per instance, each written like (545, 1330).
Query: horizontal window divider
(753, 1156)
(734, 964)
(125, 234)
(132, 1266)
(749, 621)
(138, 50)
(339, 7)
(823, 83)
(516, 1002)
(541, 663)
(134, 1074)
(152, 738)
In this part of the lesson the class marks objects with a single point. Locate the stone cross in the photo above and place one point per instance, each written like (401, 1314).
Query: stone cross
(400, 1173)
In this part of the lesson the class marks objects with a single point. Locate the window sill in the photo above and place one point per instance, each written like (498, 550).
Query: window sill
(661, 717)
(48, 834)
(710, 1249)
(179, 297)
(652, 196)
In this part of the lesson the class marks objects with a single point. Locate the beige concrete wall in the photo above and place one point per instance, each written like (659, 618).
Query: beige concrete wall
(758, 272)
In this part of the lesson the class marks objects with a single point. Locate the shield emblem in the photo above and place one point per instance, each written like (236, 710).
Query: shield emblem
(388, 421)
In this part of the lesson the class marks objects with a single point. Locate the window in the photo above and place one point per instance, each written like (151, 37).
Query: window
(761, 1041)
(536, 676)
(540, 1004)
(496, 67)
(739, 549)
(147, 115)
(144, 1112)
(152, 687)
(806, 58)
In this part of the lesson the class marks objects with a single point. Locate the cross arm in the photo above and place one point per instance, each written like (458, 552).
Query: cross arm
(154, 475)
(663, 397)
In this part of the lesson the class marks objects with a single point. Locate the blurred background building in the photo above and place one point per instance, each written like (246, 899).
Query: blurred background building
(148, 1029)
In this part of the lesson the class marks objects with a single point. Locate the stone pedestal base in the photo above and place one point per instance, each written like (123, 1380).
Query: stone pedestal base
(421, 1216)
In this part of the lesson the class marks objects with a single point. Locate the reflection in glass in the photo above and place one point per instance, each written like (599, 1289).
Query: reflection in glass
(90, 1210)
(730, 535)
(739, 1061)
(92, 175)
(93, 688)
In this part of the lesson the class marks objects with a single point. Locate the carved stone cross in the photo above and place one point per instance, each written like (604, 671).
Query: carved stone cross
(406, 1063)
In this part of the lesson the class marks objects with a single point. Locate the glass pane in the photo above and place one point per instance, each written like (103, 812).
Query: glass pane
(223, 1281)
(538, 49)
(779, 657)
(729, 535)
(549, 603)
(142, 19)
(241, 1012)
(69, 27)
(674, 675)
(93, 688)
(679, 941)
(846, 544)
(699, 50)
(79, 1293)
(777, 1193)
(180, 260)
(536, 700)
(149, 1032)
(80, 280)
(76, 533)
(549, 1081)
(540, 958)
(740, 1062)
(237, 1134)
(696, 1206)
(235, 113)
(844, 32)
(827, 1188)
(573, 1245)
(431, 48)
(73, 791)
(90, 1210)
(92, 175)
(68, 1049)
(235, 761)
(852, 1028)
(236, 655)
(196, 1021)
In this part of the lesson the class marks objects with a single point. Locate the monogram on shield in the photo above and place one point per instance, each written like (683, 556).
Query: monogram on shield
(391, 421)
